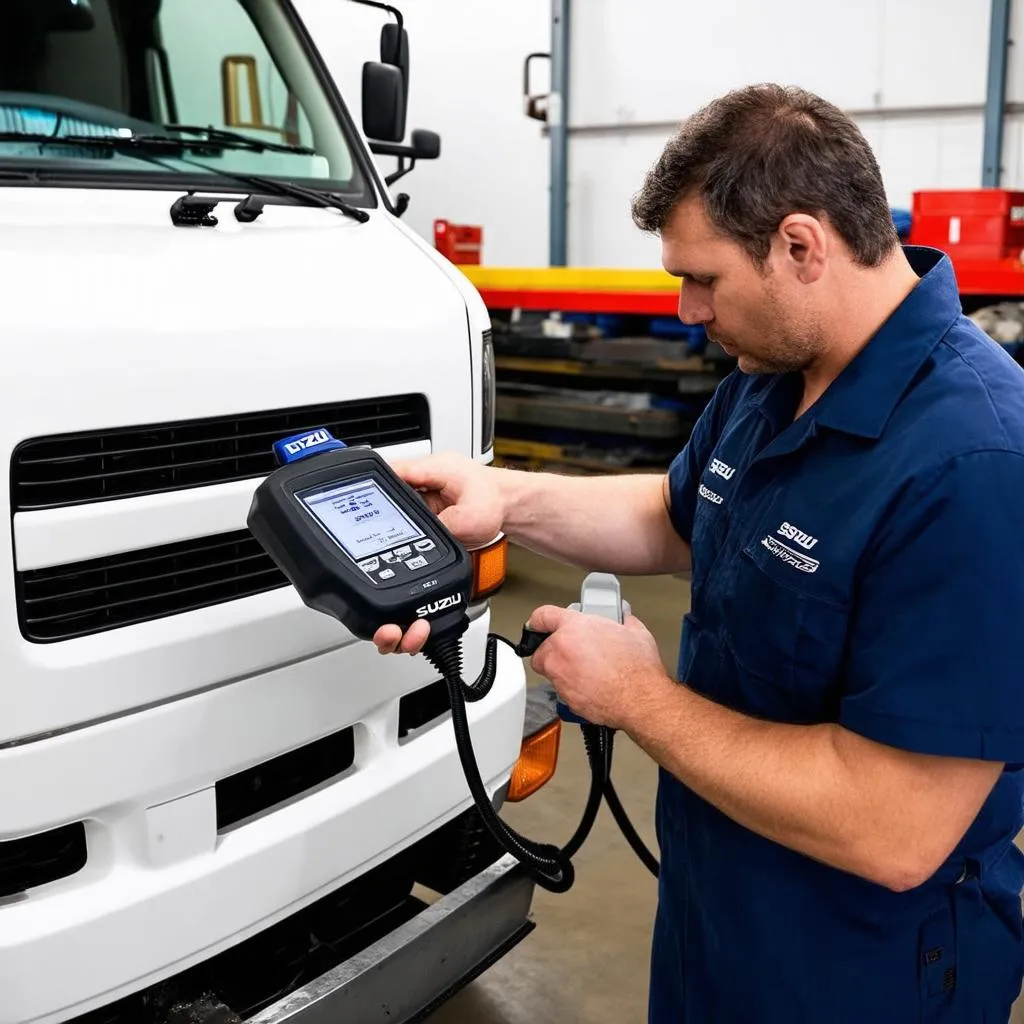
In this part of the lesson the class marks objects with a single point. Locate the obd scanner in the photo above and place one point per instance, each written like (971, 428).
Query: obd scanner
(361, 545)
(357, 542)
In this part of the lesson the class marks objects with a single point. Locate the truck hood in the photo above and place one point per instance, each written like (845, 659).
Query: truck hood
(99, 287)
(111, 316)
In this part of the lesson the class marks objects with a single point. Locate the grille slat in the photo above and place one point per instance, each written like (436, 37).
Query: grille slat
(83, 598)
(107, 606)
(177, 575)
(266, 435)
(43, 858)
(74, 469)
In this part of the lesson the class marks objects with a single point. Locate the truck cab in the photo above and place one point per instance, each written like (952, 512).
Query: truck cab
(213, 800)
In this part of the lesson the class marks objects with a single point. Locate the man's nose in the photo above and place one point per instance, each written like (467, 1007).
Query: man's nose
(693, 307)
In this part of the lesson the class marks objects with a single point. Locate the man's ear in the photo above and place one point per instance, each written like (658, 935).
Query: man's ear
(800, 246)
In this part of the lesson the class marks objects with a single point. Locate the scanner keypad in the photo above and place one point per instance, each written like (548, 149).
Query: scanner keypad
(400, 562)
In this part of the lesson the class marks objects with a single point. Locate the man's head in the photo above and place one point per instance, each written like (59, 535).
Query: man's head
(765, 200)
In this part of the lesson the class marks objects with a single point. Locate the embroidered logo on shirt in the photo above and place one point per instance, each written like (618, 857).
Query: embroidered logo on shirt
(706, 492)
(721, 469)
(797, 559)
(805, 540)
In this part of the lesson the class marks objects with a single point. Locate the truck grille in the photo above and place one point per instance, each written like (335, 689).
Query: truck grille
(39, 859)
(267, 785)
(73, 600)
(72, 469)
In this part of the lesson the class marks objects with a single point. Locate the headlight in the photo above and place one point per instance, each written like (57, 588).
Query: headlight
(487, 394)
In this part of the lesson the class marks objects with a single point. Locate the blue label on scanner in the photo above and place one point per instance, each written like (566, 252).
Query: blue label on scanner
(301, 446)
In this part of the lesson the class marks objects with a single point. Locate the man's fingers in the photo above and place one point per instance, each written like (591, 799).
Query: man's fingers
(389, 639)
(431, 472)
(632, 622)
(549, 617)
(416, 636)
(415, 472)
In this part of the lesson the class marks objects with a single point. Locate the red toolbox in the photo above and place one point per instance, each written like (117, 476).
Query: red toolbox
(971, 224)
(460, 243)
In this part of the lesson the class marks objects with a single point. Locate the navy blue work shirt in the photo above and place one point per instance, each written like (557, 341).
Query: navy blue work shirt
(863, 564)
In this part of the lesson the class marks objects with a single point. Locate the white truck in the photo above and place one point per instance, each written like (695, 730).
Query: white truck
(215, 805)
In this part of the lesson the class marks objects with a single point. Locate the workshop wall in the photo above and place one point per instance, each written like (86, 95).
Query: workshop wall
(913, 74)
(466, 59)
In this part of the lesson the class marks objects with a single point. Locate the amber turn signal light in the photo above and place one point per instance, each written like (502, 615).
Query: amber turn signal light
(538, 758)
(490, 565)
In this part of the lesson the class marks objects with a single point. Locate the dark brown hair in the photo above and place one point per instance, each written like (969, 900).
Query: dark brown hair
(758, 154)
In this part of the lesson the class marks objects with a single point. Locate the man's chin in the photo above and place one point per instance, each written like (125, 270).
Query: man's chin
(751, 366)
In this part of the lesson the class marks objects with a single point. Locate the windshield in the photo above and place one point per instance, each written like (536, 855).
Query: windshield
(102, 68)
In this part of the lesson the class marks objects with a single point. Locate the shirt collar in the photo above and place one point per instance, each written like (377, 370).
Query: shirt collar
(862, 398)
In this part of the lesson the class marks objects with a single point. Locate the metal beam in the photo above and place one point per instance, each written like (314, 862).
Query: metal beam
(857, 113)
(995, 93)
(558, 118)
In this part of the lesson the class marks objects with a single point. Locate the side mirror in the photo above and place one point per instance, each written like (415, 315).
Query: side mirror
(383, 102)
(386, 87)
(535, 105)
(394, 50)
(426, 145)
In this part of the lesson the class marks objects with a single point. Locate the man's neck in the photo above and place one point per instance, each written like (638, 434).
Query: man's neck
(865, 299)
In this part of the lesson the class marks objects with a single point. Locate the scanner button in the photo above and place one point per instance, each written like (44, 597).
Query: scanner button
(390, 556)
(369, 564)
(403, 552)
(387, 574)
(416, 563)
(424, 545)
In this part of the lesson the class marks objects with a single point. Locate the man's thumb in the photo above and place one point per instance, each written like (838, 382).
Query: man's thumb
(453, 517)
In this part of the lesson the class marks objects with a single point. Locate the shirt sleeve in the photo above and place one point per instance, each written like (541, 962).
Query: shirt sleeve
(936, 663)
(686, 468)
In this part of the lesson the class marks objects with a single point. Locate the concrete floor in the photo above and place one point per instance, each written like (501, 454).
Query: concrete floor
(587, 959)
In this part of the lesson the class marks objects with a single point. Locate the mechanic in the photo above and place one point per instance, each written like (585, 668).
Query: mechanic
(840, 752)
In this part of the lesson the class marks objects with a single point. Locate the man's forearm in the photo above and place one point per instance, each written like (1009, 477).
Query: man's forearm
(833, 796)
(617, 524)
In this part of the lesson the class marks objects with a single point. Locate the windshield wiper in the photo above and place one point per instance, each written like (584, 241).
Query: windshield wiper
(215, 139)
(237, 138)
(111, 142)
(248, 210)
(251, 207)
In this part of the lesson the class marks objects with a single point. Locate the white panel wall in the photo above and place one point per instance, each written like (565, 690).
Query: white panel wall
(466, 60)
(912, 72)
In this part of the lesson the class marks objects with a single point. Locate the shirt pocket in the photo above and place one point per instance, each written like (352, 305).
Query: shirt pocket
(786, 630)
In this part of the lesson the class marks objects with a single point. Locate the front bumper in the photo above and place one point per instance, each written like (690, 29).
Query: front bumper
(165, 889)
(413, 969)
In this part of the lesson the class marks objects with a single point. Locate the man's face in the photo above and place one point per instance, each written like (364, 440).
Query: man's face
(762, 316)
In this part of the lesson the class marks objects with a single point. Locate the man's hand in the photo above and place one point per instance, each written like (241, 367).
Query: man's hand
(464, 495)
(602, 670)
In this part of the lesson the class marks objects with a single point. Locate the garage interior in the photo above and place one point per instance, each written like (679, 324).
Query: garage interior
(547, 115)
(593, 375)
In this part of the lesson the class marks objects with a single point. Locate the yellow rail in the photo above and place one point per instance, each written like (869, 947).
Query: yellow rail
(570, 279)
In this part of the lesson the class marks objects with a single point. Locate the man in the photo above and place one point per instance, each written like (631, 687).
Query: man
(840, 785)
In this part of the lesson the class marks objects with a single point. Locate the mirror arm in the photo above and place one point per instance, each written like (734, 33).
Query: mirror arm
(402, 171)
(383, 7)
(398, 149)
